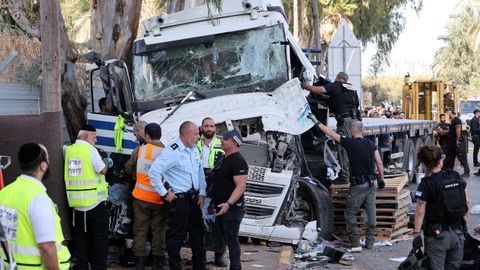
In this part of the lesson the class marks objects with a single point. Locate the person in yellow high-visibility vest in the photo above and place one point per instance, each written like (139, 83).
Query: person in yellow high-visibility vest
(87, 193)
(211, 152)
(150, 213)
(29, 218)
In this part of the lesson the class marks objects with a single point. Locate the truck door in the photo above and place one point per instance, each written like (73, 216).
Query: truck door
(110, 80)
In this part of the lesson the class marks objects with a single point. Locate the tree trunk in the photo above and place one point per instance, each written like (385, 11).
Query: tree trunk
(295, 19)
(51, 86)
(114, 27)
(72, 101)
(316, 33)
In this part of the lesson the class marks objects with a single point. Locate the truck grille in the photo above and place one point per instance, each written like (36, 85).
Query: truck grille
(262, 189)
(258, 212)
(256, 173)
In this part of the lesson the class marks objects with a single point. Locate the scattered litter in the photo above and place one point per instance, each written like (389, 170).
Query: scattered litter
(304, 246)
(477, 228)
(355, 250)
(333, 253)
(310, 233)
(247, 253)
(384, 243)
(307, 265)
(401, 259)
(257, 265)
(475, 210)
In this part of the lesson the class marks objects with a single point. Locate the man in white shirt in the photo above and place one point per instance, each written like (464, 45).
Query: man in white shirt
(87, 192)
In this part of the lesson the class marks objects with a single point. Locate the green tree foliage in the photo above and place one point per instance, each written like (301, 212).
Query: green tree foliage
(381, 23)
(383, 88)
(378, 22)
(458, 59)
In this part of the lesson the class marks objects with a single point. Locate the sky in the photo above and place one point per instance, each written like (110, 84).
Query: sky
(415, 49)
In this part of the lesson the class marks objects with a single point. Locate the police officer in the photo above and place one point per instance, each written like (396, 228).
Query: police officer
(475, 133)
(442, 131)
(211, 152)
(150, 213)
(363, 158)
(28, 216)
(87, 193)
(456, 145)
(442, 204)
(180, 166)
(345, 105)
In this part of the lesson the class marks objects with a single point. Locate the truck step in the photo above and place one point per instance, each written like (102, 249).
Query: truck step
(396, 155)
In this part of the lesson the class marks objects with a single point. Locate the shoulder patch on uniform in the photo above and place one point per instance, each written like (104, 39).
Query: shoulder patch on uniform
(174, 146)
(418, 193)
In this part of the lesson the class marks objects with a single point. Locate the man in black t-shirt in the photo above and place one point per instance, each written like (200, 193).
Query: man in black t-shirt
(456, 145)
(344, 104)
(363, 157)
(442, 131)
(230, 182)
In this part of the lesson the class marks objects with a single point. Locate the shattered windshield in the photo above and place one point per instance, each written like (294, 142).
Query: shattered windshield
(241, 59)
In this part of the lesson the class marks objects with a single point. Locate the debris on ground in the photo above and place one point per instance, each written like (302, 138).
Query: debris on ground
(310, 232)
(477, 228)
(475, 210)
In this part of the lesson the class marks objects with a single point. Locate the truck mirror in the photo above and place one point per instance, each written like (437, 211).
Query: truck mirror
(93, 57)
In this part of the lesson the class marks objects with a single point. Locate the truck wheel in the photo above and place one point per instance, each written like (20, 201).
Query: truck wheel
(319, 203)
(409, 159)
(428, 140)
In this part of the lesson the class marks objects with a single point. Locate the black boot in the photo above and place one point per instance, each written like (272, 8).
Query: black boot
(220, 260)
(140, 263)
(158, 262)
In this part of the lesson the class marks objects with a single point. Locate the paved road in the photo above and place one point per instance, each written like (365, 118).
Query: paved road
(266, 256)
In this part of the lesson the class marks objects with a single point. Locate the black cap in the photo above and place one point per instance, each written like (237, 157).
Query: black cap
(475, 111)
(30, 154)
(88, 127)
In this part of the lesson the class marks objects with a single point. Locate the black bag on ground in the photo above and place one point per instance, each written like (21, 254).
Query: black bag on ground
(471, 253)
(415, 260)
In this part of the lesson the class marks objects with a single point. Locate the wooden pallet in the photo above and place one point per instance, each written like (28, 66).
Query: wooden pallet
(394, 201)
(393, 185)
(381, 223)
(381, 234)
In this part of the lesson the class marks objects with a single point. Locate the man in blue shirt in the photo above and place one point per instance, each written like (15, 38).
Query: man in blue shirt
(180, 167)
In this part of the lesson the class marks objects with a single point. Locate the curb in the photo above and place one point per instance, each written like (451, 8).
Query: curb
(285, 261)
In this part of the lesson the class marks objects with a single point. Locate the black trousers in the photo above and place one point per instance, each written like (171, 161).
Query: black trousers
(476, 147)
(90, 232)
(185, 216)
(459, 152)
(226, 232)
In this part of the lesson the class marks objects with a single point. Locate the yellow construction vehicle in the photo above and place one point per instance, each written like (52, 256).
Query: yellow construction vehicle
(427, 99)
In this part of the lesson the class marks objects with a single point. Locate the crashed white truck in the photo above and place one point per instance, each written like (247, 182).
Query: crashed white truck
(244, 69)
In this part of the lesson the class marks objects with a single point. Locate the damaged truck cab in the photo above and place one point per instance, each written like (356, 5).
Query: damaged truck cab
(243, 68)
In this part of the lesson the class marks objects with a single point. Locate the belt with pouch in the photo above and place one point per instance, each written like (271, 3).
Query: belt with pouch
(358, 180)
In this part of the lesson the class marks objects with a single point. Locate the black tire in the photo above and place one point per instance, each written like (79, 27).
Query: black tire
(409, 159)
(320, 203)
(428, 140)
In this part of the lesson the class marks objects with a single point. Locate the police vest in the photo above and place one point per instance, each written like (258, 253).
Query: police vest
(216, 151)
(15, 200)
(143, 188)
(84, 186)
(449, 203)
(345, 100)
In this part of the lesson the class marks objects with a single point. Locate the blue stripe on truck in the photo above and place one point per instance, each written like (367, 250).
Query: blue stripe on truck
(102, 124)
(109, 142)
